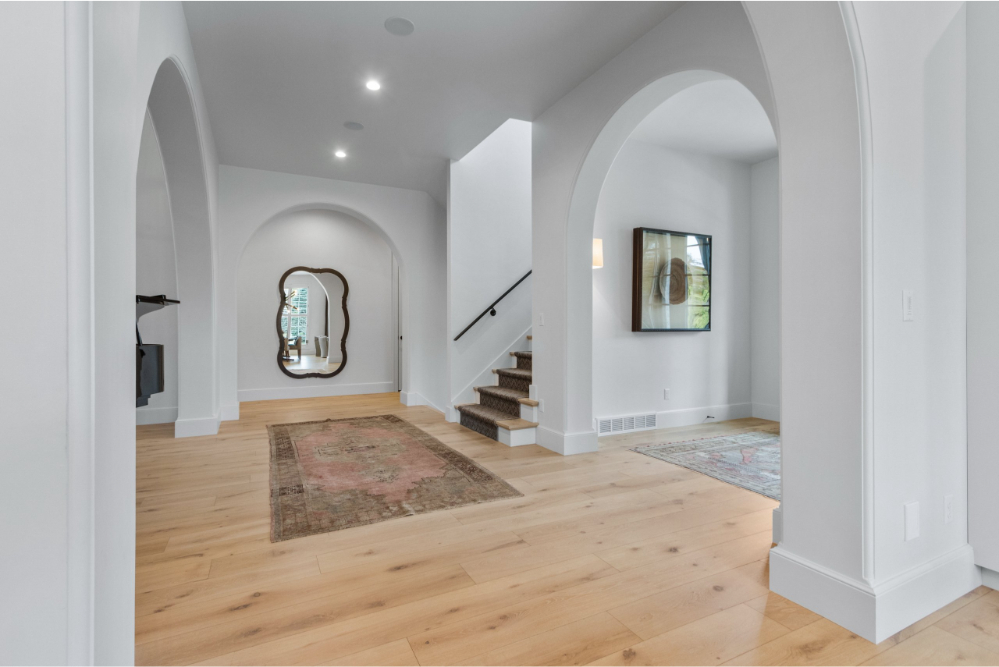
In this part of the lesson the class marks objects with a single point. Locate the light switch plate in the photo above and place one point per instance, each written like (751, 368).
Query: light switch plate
(911, 521)
(907, 305)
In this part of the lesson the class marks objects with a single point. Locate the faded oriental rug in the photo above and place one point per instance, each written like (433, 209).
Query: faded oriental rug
(340, 473)
(750, 460)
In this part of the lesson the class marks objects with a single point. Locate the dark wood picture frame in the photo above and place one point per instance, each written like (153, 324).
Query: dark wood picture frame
(636, 277)
(280, 332)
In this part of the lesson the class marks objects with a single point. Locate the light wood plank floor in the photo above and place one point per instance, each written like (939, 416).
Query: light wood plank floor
(608, 558)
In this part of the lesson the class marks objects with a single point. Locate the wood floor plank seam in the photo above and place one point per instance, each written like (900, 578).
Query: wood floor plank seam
(599, 552)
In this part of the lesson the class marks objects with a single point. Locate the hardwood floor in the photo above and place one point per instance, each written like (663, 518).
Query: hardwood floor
(609, 558)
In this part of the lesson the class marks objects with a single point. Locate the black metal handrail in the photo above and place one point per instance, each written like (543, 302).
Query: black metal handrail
(492, 307)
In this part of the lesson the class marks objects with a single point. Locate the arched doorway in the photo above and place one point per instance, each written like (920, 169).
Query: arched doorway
(703, 163)
(779, 54)
(171, 112)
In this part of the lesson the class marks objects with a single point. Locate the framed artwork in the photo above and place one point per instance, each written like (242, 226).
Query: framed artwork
(671, 281)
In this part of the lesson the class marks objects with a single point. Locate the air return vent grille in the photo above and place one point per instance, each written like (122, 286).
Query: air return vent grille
(609, 425)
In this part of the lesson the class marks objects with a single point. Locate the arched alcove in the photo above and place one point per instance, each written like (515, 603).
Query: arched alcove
(171, 108)
(320, 238)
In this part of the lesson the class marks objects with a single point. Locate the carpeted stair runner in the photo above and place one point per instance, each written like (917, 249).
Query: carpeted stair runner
(500, 406)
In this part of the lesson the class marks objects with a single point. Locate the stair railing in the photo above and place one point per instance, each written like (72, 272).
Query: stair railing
(492, 307)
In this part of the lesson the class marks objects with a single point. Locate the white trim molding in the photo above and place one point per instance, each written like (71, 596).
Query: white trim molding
(766, 411)
(314, 391)
(875, 612)
(230, 413)
(692, 416)
(567, 444)
(193, 428)
(990, 578)
(147, 415)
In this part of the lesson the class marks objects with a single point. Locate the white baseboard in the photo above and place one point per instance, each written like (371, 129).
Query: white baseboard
(314, 391)
(990, 578)
(920, 591)
(147, 415)
(766, 411)
(518, 438)
(691, 416)
(230, 413)
(567, 444)
(193, 428)
(411, 398)
(875, 613)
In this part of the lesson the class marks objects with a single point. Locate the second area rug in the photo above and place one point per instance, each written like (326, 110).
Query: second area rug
(339, 473)
(749, 460)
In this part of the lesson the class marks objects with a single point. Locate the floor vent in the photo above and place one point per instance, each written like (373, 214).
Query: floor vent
(623, 424)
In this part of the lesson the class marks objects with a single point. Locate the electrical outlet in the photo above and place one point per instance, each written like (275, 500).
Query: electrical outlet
(541, 404)
(911, 521)
(948, 508)
(907, 315)
(665, 394)
(541, 319)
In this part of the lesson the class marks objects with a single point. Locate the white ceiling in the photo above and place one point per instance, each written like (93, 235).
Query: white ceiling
(719, 118)
(281, 79)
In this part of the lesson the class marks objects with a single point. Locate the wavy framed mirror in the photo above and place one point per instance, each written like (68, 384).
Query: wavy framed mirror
(312, 330)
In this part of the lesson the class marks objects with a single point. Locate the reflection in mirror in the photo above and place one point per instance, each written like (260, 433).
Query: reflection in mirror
(312, 322)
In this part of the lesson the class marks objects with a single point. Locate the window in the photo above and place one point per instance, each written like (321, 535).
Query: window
(298, 300)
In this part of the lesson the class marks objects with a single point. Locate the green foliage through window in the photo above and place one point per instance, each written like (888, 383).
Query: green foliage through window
(299, 313)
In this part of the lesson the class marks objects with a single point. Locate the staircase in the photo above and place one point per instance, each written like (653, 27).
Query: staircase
(505, 412)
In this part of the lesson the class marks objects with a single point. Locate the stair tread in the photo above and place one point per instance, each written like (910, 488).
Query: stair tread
(521, 353)
(494, 416)
(514, 372)
(516, 424)
(503, 392)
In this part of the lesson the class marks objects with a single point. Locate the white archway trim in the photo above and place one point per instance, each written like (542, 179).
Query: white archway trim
(867, 225)
(174, 114)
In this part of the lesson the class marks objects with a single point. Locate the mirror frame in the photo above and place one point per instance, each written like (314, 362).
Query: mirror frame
(280, 333)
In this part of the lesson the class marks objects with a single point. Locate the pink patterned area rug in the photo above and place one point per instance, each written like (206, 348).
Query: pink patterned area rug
(340, 473)
(749, 460)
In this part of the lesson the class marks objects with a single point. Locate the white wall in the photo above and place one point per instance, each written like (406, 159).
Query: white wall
(156, 271)
(915, 56)
(983, 280)
(319, 239)
(489, 249)
(34, 574)
(412, 225)
(707, 373)
(764, 280)
(129, 43)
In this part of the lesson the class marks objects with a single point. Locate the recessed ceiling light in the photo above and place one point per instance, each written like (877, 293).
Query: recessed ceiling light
(353, 125)
(340, 153)
(373, 85)
(399, 26)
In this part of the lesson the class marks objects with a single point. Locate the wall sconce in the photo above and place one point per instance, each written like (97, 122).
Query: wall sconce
(598, 253)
